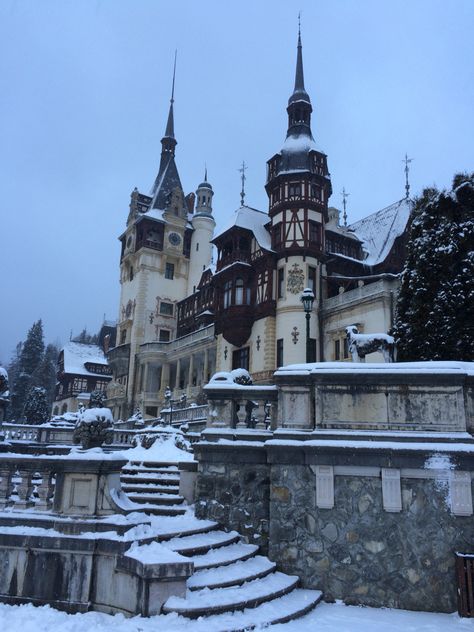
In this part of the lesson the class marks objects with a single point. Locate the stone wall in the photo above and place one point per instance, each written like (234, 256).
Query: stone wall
(358, 552)
(235, 493)
(354, 539)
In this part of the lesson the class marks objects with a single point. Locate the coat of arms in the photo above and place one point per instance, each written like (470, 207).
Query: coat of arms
(295, 282)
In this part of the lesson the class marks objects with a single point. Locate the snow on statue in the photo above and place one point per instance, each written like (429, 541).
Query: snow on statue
(362, 344)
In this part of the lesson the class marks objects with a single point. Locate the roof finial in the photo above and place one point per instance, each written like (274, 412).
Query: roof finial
(242, 170)
(407, 161)
(299, 28)
(205, 172)
(344, 198)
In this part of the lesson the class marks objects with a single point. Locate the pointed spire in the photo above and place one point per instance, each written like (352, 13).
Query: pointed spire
(299, 92)
(169, 132)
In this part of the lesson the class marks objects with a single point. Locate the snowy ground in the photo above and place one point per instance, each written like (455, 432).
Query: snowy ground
(325, 618)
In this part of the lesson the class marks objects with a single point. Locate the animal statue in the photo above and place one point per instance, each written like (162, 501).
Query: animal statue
(362, 344)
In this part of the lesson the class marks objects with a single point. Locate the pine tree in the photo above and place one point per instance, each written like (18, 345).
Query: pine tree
(30, 357)
(45, 374)
(435, 309)
(36, 409)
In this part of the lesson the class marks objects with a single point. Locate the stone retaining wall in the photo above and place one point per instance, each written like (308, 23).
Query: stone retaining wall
(363, 548)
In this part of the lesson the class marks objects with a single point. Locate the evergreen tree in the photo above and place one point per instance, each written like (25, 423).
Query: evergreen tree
(45, 374)
(435, 309)
(30, 357)
(36, 409)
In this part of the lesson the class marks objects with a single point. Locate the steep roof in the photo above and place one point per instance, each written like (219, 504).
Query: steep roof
(77, 354)
(253, 220)
(379, 230)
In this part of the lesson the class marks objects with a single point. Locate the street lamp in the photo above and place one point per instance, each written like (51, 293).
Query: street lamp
(307, 298)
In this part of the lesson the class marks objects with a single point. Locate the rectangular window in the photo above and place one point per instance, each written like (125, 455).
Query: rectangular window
(123, 336)
(151, 411)
(314, 233)
(281, 282)
(277, 235)
(166, 308)
(169, 271)
(165, 335)
(337, 350)
(280, 352)
(240, 359)
(312, 279)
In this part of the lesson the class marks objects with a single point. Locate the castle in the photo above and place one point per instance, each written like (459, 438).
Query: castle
(182, 317)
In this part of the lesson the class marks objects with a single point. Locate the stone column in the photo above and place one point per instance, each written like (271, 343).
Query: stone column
(178, 374)
(206, 366)
(165, 377)
(190, 375)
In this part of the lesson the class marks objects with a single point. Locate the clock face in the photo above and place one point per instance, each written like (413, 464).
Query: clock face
(174, 239)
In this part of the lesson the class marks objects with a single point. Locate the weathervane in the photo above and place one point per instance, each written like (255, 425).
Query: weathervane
(407, 161)
(242, 170)
(344, 198)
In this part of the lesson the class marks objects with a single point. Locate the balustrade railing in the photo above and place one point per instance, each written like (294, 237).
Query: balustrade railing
(43, 433)
(26, 483)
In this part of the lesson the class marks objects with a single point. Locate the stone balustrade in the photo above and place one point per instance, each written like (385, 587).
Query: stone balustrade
(43, 433)
(239, 406)
(66, 484)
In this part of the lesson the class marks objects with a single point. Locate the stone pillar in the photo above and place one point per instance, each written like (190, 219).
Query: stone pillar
(178, 374)
(145, 379)
(5, 485)
(165, 377)
(206, 366)
(190, 375)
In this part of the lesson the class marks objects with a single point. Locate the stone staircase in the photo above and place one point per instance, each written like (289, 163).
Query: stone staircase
(233, 588)
(155, 486)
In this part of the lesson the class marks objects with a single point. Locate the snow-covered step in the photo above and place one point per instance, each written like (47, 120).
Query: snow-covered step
(280, 610)
(203, 542)
(161, 510)
(233, 574)
(158, 499)
(224, 555)
(155, 489)
(152, 466)
(150, 479)
(250, 595)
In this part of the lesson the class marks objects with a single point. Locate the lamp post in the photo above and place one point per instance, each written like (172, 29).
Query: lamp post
(307, 298)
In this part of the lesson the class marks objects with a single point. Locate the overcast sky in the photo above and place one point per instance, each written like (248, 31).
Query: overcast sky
(84, 95)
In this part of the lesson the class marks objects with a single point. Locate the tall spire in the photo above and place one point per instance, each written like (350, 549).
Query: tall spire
(169, 132)
(299, 92)
(168, 178)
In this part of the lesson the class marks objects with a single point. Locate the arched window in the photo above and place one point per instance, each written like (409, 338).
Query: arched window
(239, 291)
(227, 294)
(64, 409)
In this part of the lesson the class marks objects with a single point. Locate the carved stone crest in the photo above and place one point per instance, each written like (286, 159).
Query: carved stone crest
(295, 282)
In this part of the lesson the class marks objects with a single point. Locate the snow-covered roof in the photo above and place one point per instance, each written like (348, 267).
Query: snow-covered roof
(299, 143)
(253, 220)
(379, 230)
(77, 354)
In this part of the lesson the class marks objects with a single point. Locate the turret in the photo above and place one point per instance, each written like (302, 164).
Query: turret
(203, 225)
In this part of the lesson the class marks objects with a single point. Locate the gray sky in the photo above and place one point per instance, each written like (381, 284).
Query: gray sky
(84, 94)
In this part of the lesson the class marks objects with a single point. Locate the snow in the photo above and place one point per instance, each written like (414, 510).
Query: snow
(76, 354)
(3, 372)
(325, 618)
(89, 415)
(164, 450)
(297, 144)
(371, 445)
(155, 553)
(253, 220)
(379, 230)
(466, 368)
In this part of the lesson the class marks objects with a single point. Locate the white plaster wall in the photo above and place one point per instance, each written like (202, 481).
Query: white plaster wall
(200, 259)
